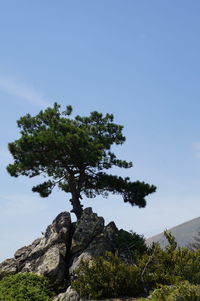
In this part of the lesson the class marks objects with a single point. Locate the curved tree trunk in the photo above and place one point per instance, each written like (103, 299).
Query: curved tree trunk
(75, 189)
(77, 207)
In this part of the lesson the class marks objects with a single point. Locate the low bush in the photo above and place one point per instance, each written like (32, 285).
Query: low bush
(131, 245)
(106, 278)
(109, 276)
(169, 266)
(184, 291)
(25, 287)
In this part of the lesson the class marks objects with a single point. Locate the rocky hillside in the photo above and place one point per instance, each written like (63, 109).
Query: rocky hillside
(183, 233)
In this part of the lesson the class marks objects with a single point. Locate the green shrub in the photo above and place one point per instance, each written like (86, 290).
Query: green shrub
(169, 266)
(4, 274)
(184, 291)
(107, 277)
(25, 287)
(111, 277)
(131, 244)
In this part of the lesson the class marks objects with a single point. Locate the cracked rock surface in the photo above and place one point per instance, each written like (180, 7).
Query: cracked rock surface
(58, 253)
(46, 255)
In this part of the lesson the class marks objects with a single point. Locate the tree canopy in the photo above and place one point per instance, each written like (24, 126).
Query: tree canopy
(74, 153)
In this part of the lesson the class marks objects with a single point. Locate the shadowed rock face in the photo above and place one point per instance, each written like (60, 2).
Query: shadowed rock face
(58, 253)
(91, 238)
(87, 228)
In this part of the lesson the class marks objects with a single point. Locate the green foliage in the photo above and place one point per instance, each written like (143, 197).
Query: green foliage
(4, 274)
(106, 278)
(169, 266)
(184, 291)
(171, 240)
(25, 287)
(73, 153)
(131, 244)
(111, 277)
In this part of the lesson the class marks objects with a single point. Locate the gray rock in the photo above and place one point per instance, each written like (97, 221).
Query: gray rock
(45, 256)
(87, 228)
(69, 295)
(9, 266)
(104, 241)
(59, 252)
(93, 239)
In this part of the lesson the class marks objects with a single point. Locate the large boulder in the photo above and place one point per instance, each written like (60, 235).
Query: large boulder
(91, 238)
(87, 228)
(47, 255)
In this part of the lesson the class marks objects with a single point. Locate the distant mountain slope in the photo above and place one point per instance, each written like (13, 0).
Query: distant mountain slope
(184, 234)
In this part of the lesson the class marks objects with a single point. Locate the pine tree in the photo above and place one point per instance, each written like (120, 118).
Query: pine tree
(74, 154)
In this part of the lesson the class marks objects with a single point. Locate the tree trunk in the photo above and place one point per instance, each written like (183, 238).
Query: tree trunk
(77, 207)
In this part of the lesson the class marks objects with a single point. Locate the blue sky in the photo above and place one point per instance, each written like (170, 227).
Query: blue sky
(136, 59)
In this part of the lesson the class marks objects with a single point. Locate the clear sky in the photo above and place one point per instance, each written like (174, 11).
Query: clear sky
(137, 59)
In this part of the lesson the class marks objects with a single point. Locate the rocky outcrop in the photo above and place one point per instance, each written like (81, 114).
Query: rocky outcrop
(87, 228)
(46, 255)
(103, 241)
(58, 253)
(91, 238)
